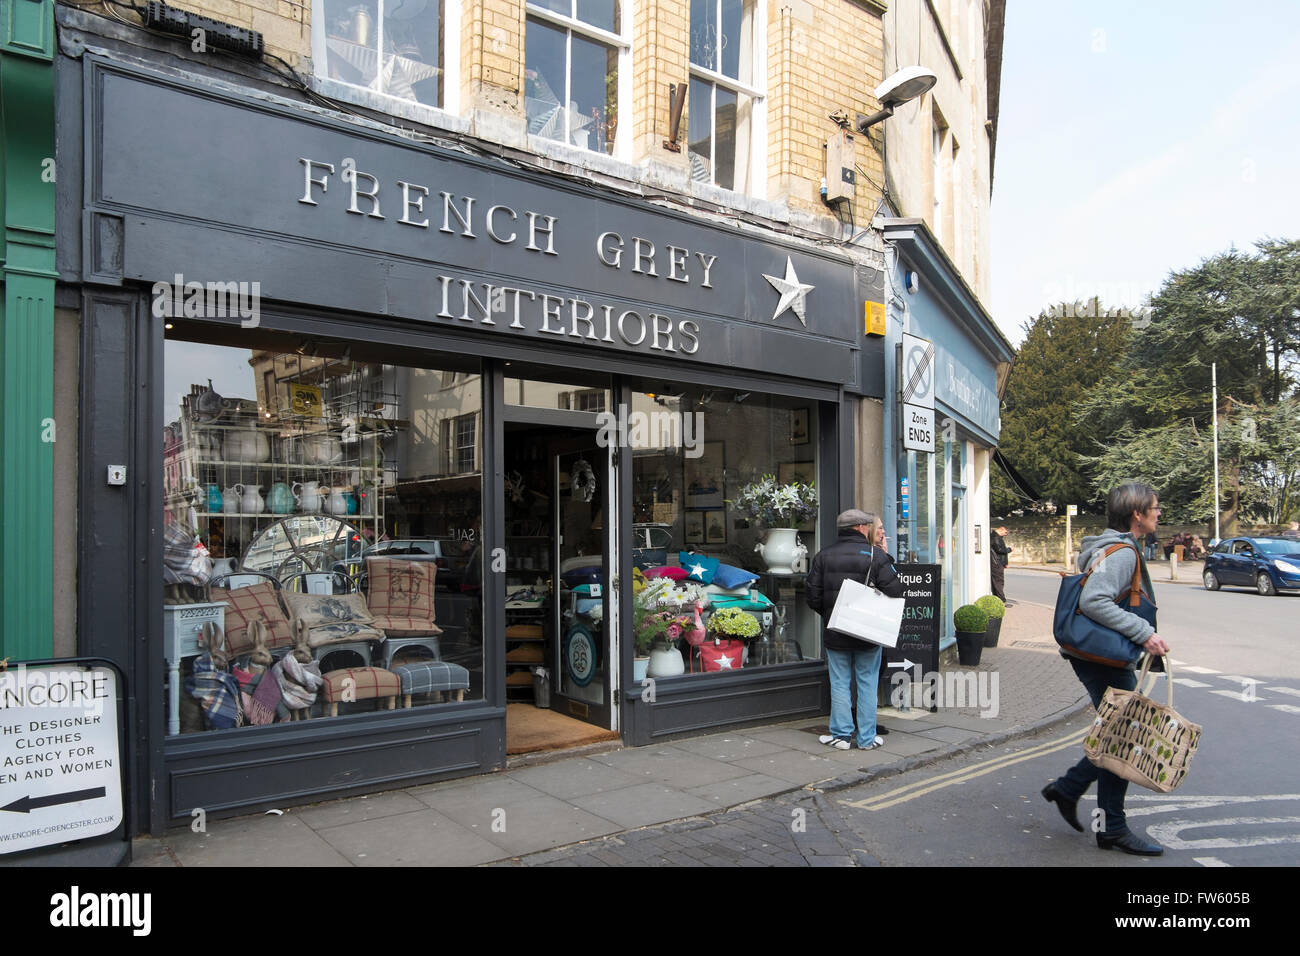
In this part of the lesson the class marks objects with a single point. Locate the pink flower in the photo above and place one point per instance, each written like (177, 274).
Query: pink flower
(674, 631)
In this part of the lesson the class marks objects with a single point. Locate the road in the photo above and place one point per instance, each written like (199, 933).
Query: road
(1233, 631)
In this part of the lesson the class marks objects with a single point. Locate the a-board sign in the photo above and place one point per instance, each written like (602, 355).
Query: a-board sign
(918, 639)
(60, 760)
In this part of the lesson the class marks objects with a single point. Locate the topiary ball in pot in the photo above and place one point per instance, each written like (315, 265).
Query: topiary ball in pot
(970, 618)
(992, 605)
(971, 624)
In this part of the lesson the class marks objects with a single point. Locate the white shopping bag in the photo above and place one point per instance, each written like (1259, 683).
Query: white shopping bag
(865, 613)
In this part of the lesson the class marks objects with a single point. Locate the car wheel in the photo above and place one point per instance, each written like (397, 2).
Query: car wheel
(1264, 584)
(1211, 582)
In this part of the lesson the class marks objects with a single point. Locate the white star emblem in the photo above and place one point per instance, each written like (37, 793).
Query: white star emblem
(724, 663)
(697, 571)
(793, 292)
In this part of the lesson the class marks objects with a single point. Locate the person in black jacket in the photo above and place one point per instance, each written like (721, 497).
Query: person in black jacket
(857, 553)
(998, 551)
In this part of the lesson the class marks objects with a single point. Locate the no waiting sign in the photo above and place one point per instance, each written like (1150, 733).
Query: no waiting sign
(60, 761)
(916, 376)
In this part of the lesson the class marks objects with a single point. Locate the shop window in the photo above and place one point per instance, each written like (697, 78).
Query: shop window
(694, 453)
(397, 48)
(572, 54)
(308, 519)
(725, 104)
(541, 386)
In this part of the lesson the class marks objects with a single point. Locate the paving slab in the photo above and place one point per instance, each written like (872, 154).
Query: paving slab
(793, 765)
(254, 841)
(951, 735)
(575, 778)
(802, 739)
(426, 838)
(370, 807)
(727, 746)
(738, 790)
(671, 766)
(644, 805)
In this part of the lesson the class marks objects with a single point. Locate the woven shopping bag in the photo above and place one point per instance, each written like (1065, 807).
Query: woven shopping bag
(1140, 740)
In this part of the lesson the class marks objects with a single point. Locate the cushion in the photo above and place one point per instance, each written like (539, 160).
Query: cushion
(316, 610)
(666, 571)
(401, 588)
(430, 676)
(718, 591)
(699, 568)
(405, 626)
(731, 577)
(584, 575)
(366, 683)
(257, 602)
(345, 632)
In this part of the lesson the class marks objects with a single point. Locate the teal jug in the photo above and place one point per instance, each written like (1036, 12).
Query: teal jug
(214, 500)
(279, 500)
(351, 499)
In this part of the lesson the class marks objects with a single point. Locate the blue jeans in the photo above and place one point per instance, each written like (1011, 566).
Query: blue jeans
(1110, 788)
(843, 666)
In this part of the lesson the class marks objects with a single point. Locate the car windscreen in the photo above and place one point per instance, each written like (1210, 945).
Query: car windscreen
(1277, 545)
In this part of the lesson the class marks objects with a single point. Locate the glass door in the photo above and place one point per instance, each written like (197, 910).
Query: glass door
(582, 680)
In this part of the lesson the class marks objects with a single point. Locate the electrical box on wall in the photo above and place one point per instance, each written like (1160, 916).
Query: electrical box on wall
(874, 318)
(841, 171)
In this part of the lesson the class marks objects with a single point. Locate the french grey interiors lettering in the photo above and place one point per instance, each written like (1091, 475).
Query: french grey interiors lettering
(512, 308)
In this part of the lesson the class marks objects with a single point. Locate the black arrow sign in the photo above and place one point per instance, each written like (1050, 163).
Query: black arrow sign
(28, 804)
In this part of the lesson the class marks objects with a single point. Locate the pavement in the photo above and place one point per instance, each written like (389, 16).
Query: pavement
(758, 796)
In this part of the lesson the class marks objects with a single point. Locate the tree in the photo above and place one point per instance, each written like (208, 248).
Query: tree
(1067, 350)
(1241, 312)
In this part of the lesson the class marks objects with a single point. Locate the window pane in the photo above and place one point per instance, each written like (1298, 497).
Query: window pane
(737, 39)
(704, 33)
(601, 13)
(725, 144)
(700, 130)
(410, 32)
(558, 6)
(593, 112)
(544, 80)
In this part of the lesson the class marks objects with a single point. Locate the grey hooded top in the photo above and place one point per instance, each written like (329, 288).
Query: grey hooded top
(1111, 578)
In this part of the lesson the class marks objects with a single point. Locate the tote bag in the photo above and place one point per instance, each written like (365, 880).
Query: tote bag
(864, 613)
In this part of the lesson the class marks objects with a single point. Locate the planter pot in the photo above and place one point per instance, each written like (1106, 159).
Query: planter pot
(991, 635)
(781, 549)
(665, 662)
(970, 646)
(639, 665)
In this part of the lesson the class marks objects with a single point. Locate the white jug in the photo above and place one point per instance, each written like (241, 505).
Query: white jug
(250, 502)
(782, 550)
(321, 449)
(308, 496)
(230, 500)
(247, 444)
(336, 504)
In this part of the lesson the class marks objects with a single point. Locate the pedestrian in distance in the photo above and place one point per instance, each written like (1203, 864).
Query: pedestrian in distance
(1152, 542)
(1132, 511)
(998, 551)
(858, 553)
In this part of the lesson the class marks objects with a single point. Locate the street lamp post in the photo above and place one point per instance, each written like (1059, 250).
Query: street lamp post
(1214, 388)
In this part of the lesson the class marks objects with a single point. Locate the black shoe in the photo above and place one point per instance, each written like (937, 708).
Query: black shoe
(1130, 844)
(1069, 808)
(881, 730)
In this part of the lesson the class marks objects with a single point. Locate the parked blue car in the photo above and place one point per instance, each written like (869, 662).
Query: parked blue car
(1268, 565)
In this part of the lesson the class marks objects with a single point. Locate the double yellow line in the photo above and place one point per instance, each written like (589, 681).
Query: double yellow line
(884, 801)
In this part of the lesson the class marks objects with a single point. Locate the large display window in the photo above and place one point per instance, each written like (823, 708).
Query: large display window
(725, 502)
(322, 528)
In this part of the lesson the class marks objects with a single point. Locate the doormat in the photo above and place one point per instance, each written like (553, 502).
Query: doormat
(530, 729)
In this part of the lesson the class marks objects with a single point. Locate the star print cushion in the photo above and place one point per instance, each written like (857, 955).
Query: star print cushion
(722, 655)
(698, 568)
(729, 577)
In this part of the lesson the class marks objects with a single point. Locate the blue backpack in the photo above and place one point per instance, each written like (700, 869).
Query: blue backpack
(1082, 637)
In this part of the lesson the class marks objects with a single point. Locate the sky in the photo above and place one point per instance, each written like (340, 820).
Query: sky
(1135, 139)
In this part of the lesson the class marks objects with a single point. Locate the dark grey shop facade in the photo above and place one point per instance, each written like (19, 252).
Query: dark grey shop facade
(486, 315)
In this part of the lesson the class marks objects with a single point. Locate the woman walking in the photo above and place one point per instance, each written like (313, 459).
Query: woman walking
(1132, 512)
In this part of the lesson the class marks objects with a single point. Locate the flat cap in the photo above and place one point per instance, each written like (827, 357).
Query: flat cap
(852, 518)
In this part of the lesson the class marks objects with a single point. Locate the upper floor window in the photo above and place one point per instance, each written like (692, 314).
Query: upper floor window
(397, 48)
(573, 50)
(725, 102)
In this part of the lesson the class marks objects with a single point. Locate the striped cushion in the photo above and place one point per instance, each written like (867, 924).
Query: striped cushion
(258, 602)
(366, 682)
(430, 676)
(406, 626)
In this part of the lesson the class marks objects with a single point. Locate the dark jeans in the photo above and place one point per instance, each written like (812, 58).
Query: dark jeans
(1110, 788)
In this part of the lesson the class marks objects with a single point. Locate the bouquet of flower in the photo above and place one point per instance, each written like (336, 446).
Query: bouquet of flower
(652, 627)
(777, 505)
(732, 622)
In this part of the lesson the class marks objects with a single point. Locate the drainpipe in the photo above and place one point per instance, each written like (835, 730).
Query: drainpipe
(27, 276)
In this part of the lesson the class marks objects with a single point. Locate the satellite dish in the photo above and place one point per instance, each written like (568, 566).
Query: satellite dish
(907, 84)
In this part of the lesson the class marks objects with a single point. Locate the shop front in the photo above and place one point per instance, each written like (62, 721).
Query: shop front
(950, 364)
(382, 443)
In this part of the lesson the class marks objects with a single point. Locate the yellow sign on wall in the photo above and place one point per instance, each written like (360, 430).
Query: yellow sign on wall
(874, 318)
(305, 400)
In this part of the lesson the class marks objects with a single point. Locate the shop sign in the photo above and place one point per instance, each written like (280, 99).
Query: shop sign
(918, 428)
(60, 765)
(917, 653)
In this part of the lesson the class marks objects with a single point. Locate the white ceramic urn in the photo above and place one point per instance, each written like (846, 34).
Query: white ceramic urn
(782, 550)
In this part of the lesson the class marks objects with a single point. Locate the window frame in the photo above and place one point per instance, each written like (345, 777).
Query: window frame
(758, 135)
(620, 41)
(449, 53)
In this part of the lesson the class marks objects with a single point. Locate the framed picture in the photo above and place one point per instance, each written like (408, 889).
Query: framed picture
(799, 426)
(695, 527)
(715, 527)
(703, 477)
